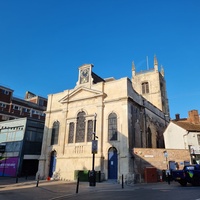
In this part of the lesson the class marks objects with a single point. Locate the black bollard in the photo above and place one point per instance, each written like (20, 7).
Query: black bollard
(17, 179)
(26, 174)
(38, 178)
(77, 185)
(168, 178)
(122, 181)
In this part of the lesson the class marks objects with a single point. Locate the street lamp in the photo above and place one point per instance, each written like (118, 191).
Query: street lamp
(166, 155)
(168, 173)
(94, 142)
(92, 174)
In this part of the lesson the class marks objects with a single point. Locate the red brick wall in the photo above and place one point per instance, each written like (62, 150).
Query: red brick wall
(149, 157)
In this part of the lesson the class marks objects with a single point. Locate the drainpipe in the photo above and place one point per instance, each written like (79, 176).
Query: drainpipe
(184, 139)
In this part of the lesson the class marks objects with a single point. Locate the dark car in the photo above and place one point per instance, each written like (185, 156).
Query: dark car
(189, 174)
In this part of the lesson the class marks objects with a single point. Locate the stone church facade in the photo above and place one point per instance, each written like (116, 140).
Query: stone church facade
(112, 109)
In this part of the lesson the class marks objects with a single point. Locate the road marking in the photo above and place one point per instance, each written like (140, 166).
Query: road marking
(60, 197)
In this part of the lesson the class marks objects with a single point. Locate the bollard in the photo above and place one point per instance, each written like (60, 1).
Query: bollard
(168, 178)
(77, 185)
(17, 179)
(26, 174)
(38, 178)
(122, 181)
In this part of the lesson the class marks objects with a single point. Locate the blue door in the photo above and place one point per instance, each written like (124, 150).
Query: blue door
(52, 163)
(112, 163)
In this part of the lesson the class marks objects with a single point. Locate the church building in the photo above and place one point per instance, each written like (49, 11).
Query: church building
(151, 85)
(114, 112)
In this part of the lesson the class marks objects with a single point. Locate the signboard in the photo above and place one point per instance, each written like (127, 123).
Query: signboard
(148, 156)
(94, 146)
(8, 166)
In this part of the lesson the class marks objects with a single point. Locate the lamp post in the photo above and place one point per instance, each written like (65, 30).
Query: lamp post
(168, 173)
(92, 174)
(166, 155)
(94, 144)
(192, 154)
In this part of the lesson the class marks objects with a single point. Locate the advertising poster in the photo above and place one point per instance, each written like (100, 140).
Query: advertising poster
(8, 166)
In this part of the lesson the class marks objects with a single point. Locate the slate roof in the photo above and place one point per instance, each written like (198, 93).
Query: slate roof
(188, 126)
(96, 78)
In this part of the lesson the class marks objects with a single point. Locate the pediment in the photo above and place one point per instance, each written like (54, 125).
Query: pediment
(81, 93)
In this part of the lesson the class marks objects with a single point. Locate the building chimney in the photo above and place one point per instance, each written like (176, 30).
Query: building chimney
(177, 117)
(193, 116)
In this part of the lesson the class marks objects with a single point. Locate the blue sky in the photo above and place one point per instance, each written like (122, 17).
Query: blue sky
(43, 42)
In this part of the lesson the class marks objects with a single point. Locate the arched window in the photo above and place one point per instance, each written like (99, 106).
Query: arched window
(157, 140)
(112, 127)
(55, 133)
(71, 132)
(149, 138)
(90, 131)
(145, 88)
(80, 129)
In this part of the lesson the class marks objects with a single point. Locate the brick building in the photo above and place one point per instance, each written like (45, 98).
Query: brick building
(21, 132)
(11, 107)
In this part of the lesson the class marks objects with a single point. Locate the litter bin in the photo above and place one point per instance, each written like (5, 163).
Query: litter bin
(92, 178)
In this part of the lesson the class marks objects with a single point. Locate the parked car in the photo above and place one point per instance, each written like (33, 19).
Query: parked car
(189, 174)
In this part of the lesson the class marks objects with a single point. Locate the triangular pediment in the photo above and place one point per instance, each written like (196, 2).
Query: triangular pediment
(81, 93)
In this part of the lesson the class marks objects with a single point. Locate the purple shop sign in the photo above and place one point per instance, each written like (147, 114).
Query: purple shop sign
(8, 166)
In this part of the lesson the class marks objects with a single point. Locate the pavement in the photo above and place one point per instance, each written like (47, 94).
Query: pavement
(57, 189)
(12, 181)
(8, 182)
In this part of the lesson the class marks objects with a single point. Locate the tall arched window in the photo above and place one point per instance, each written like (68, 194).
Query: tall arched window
(112, 127)
(149, 138)
(157, 140)
(80, 129)
(90, 131)
(71, 132)
(55, 133)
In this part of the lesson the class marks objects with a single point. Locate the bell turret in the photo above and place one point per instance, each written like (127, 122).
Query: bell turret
(133, 69)
(155, 63)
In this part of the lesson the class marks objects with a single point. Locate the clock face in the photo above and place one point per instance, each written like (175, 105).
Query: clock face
(84, 75)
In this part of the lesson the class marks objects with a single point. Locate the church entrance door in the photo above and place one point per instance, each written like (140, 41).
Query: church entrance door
(112, 163)
(52, 167)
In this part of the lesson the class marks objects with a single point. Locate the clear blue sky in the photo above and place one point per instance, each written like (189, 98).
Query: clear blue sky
(43, 42)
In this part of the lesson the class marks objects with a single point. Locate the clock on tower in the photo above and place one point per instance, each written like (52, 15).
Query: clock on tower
(84, 75)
